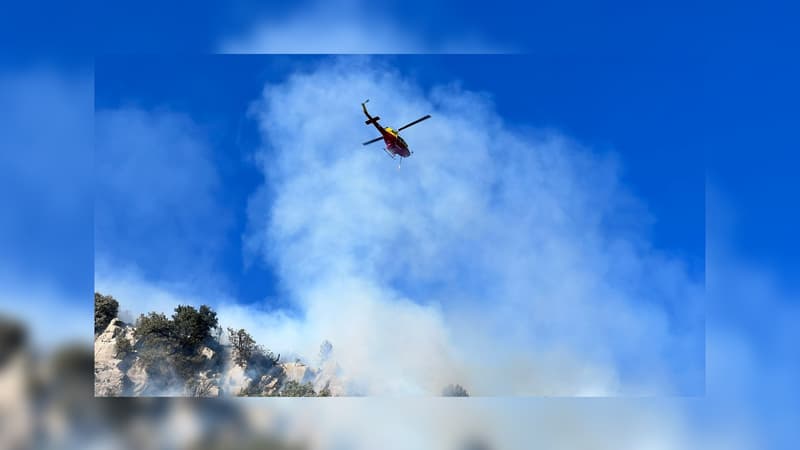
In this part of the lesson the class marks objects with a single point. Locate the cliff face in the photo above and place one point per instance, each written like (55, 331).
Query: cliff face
(126, 373)
(109, 376)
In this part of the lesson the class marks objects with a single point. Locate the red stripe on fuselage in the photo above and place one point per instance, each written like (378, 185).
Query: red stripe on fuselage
(393, 146)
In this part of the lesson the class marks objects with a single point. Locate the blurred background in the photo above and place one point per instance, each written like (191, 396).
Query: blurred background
(46, 231)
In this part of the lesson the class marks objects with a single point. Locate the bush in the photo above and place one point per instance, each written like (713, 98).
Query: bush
(153, 327)
(171, 347)
(295, 389)
(262, 358)
(156, 345)
(243, 345)
(106, 308)
(456, 390)
(326, 391)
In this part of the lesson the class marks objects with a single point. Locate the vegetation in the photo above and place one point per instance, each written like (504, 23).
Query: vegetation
(326, 391)
(153, 327)
(172, 350)
(246, 351)
(454, 390)
(295, 389)
(188, 330)
(202, 387)
(106, 309)
(243, 345)
(171, 347)
(193, 327)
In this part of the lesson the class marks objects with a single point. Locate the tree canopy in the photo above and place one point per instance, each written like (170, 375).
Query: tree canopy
(106, 309)
(295, 389)
(193, 327)
(173, 345)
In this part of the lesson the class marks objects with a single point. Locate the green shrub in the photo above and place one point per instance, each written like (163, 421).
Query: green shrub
(295, 389)
(153, 326)
(106, 308)
(171, 348)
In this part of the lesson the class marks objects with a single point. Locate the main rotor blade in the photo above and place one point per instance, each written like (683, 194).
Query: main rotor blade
(414, 122)
(374, 140)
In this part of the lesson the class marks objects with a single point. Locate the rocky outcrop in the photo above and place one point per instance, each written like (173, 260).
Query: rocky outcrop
(325, 378)
(257, 378)
(299, 372)
(127, 374)
(109, 369)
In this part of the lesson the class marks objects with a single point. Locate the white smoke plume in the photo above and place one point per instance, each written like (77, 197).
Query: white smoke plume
(509, 260)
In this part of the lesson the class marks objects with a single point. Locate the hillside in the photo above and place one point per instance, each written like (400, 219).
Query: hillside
(190, 355)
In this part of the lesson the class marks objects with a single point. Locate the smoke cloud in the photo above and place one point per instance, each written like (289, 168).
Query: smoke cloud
(508, 259)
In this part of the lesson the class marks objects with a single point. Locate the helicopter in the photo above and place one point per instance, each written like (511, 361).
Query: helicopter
(395, 145)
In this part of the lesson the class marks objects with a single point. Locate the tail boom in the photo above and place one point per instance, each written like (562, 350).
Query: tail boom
(371, 120)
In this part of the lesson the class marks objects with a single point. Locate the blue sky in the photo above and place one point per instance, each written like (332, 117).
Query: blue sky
(750, 108)
(567, 27)
(39, 222)
(626, 106)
